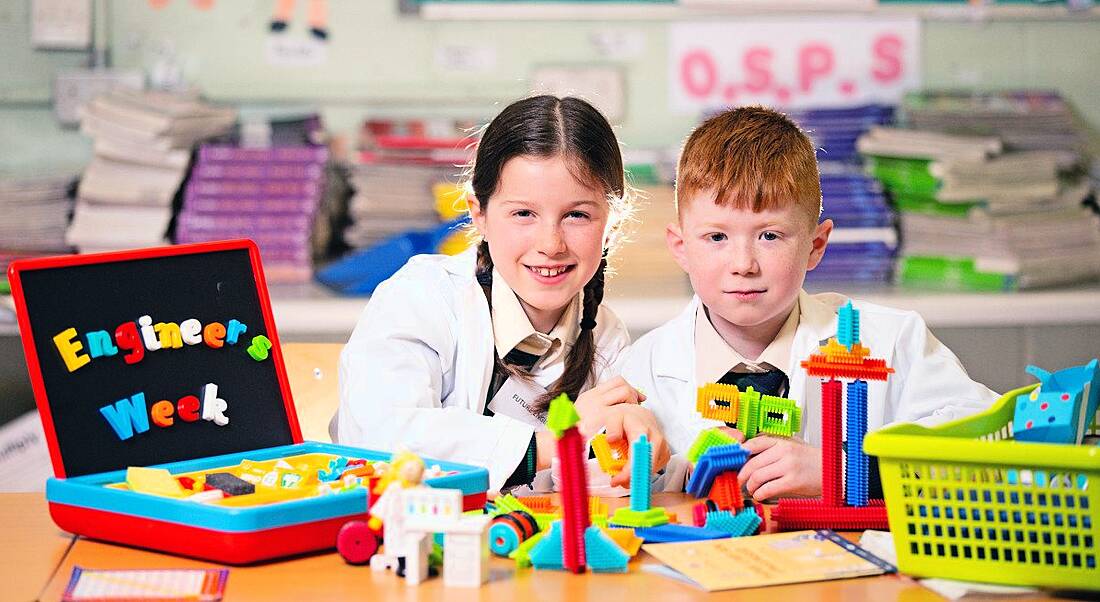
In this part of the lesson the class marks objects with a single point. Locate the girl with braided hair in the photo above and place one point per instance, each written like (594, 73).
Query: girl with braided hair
(458, 357)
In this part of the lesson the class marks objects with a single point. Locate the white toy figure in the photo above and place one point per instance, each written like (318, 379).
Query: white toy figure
(405, 472)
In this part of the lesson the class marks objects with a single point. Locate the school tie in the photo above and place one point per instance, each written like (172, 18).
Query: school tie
(519, 359)
(772, 382)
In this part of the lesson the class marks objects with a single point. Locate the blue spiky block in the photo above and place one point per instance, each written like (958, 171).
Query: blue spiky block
(673, 533)
(847, 326)
(547, 552)
(857, 465)
(742, 524)
(714, 462)
(602, 554)
(640, 464)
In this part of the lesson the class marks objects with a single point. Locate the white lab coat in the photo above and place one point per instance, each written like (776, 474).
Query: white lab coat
(929, 385)
(417, 369)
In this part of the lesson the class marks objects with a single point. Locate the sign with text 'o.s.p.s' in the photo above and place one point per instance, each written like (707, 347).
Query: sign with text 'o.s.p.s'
(793, 64)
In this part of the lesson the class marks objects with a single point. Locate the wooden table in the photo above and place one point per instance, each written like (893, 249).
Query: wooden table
(33, 547)
(39, 548)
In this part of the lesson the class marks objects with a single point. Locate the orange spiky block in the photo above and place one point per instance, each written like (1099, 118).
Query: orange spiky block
(836, 361)
(541, 504)
(611, 457)
(716, 401)
(596, 506)
(725, 492)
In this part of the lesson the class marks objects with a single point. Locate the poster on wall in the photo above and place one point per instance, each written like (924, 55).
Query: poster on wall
(792, 63)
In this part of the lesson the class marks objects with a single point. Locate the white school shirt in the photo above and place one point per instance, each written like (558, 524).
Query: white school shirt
(929, 385)
(416, 370)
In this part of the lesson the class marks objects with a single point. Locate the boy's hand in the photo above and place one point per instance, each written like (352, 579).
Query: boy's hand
(779, 467)
(628, 421)
(606, 394)
(732, 432)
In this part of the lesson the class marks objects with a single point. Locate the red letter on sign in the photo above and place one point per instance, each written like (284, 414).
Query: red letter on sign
(886, 52)
(814, 62)
(758, 70)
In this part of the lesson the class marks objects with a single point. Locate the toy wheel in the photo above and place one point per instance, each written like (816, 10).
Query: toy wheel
(356, 542)
(503, 538)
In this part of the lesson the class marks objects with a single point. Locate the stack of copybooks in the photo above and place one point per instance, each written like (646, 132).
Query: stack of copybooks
(143, 144)
(1022, 119)
(34, 214)
(400, 163)
(834, 131)
(864, 242)
(270, 195)
(976, 218)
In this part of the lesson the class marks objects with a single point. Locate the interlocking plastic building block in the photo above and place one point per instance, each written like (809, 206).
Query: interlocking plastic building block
(713, 463)
(706, 440)
(795, 514)
(640, 462)
(522, 554)
(154, 481)
(748, 417)
(508, 531)
(718, 401)
(741, 524)
(699, 514)
(563, 419)
(847, 326)
(510, 503)
(832, 483)
(640, 514)
(611, 458)
(725, 492)
(547, 552)
(603, 554)
(1061, 408)
(778, 416)
(625, 539)
(675, 533)
(856, 464)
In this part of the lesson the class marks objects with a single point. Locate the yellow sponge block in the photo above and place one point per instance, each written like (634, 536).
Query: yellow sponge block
(154, 481)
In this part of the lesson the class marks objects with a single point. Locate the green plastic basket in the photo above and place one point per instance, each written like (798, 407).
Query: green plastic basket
(967, 502)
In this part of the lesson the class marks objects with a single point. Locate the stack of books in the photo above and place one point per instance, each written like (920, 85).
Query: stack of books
(143, 143)
(270, 195)
(400, 163)
(864, 242)
(834, 131)
(974, 217)
(34, 214)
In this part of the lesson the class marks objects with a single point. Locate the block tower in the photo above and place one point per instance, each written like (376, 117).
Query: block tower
(844, 502)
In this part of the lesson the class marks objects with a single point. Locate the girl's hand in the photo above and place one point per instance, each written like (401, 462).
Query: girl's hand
(732, 432)
(629, 422)
(606, 394)
(781, 467)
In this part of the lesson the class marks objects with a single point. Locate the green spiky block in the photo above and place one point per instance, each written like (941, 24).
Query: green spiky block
(706, 440)
(562, 416)
(625, 517)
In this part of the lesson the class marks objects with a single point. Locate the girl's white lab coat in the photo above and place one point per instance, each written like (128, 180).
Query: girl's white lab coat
(928, 386)
(417, 369)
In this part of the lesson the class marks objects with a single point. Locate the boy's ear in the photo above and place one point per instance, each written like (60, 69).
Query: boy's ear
(819, 242)
(674, 237)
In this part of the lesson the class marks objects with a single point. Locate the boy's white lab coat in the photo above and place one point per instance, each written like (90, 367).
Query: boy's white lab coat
(417, 369)
(928, 386)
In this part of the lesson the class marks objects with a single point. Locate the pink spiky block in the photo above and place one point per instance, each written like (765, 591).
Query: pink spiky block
(574, 500)
(832, 483)
(795, 514)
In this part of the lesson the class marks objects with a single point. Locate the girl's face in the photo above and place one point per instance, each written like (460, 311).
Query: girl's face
(545, 231)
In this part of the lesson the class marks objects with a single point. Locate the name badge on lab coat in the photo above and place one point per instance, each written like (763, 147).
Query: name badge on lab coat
(516, 399)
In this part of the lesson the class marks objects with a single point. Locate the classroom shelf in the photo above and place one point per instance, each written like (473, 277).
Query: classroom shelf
(312, 309)
(586, 11)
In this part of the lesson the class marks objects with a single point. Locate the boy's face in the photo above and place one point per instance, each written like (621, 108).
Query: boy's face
(746, 267)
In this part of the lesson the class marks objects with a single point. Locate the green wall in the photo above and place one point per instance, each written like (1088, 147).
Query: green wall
(383, 63)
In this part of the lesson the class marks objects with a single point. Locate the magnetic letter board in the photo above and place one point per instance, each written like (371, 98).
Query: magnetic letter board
(211, 283)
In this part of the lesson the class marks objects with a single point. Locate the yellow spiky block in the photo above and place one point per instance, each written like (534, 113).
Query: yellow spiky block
(716, 401)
